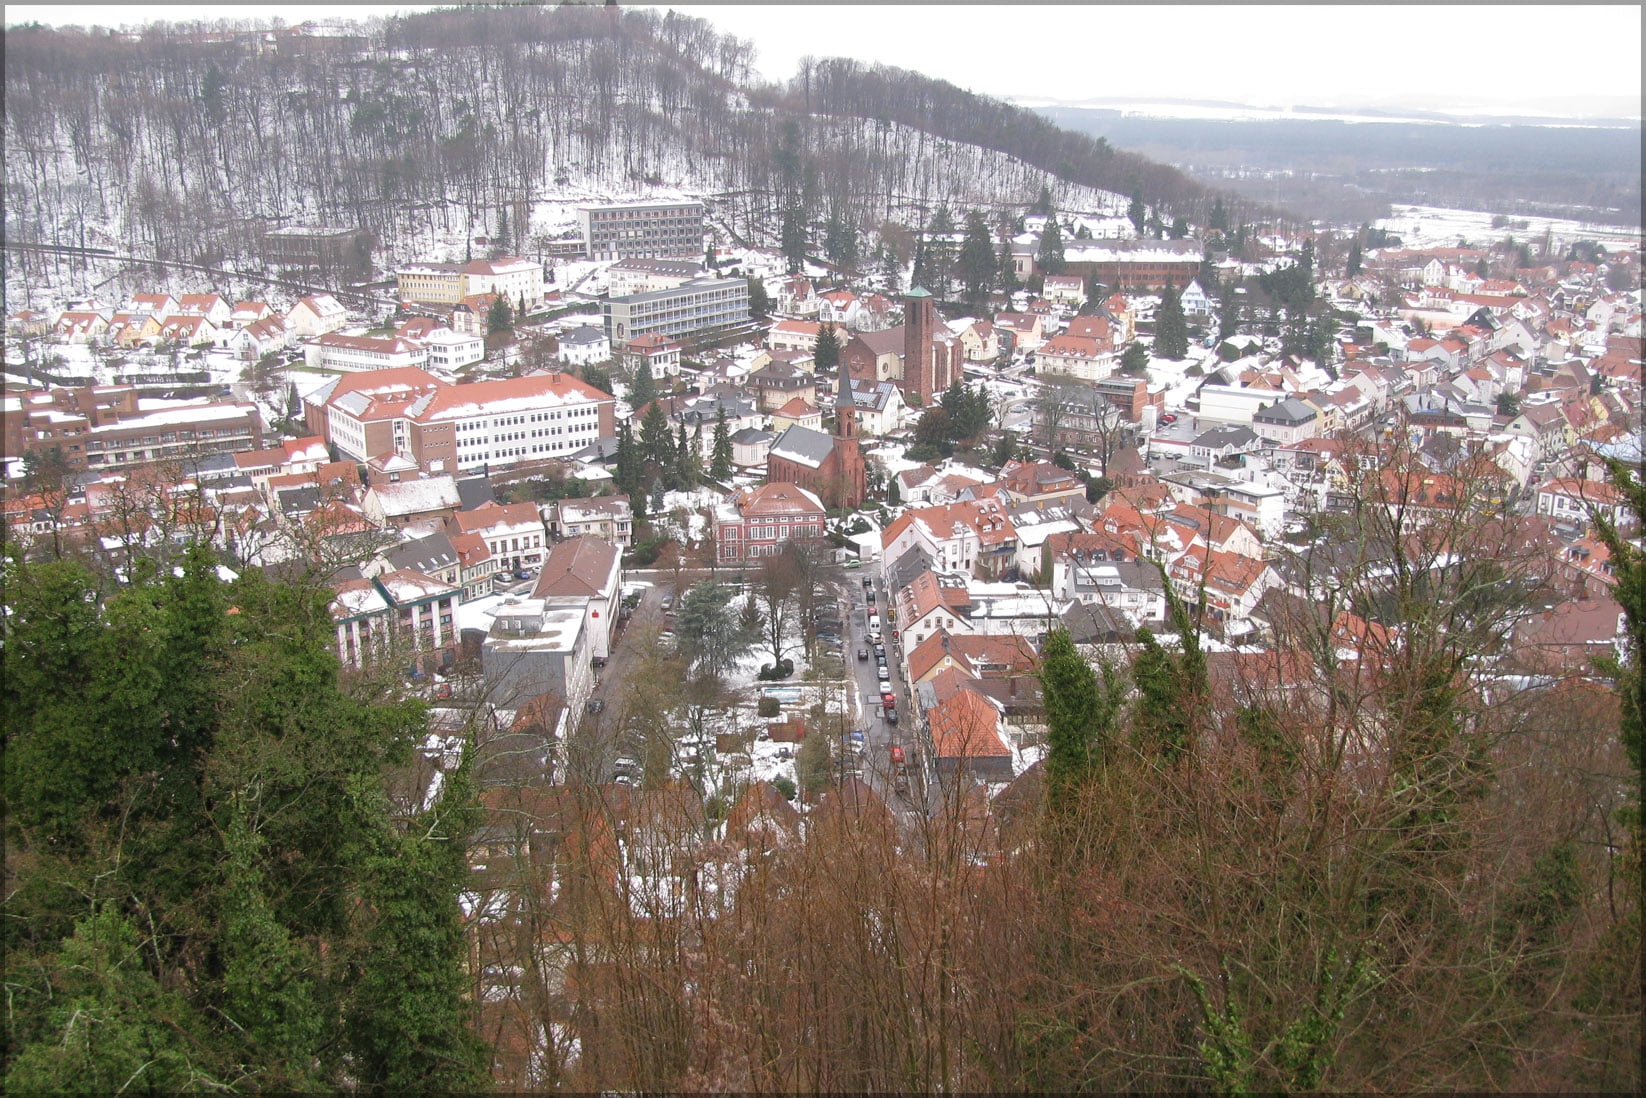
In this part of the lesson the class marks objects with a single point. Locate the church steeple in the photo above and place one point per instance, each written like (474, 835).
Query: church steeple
(845, 407)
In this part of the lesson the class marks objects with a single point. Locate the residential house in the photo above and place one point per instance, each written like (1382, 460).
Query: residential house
(316, 315)
(758, 522)
(429, 501)
(610, 518)
(974, 537)
(1073, 356)
(514, 533)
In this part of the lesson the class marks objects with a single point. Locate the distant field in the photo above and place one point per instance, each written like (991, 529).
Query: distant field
(1347, 171)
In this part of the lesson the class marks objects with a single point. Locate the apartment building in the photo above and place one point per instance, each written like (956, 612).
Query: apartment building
(690, 307)
(642, 230)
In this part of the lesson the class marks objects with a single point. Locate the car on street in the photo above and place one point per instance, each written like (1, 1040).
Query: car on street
(1168, 418)
(885, 686)
(897, 753)
(868, 581)
(891, 714)
(596, 705)
(869, 594)
(668, 602)
(862, 653)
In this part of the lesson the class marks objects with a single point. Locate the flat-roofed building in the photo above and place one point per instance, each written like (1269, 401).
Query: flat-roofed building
(691, 307)
(642, 230)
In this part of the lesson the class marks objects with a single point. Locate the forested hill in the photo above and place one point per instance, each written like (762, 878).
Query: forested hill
(187, 141)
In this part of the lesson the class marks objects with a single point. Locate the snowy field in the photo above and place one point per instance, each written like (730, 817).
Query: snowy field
(1437, 227)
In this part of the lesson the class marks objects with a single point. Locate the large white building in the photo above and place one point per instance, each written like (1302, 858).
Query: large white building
(447, 428)
(359, 353)
(449, 283)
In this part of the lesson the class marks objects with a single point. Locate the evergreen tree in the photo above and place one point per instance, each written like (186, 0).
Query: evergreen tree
(1228, 315)
(628, 464)
(1180, 227)
(760, 304)
(939, 254)
(1171, 686)
(840, 242)
(720, 463)
(1219, 217)
(1171, 338)
(794, 238)
(1135, 359)
(891, 271)
(977, 262)
(826, 357)
(644, 389)
(224, 803)
(1006, 277)
(500, 317)
(1081, 715)
(1353, 264)
(1050, 256)
(656, 441)
(1135, 212)
(503, 227)
(1043, 204)
(685, 470)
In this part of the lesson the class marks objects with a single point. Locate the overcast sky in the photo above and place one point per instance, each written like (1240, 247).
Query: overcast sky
(1320, 55)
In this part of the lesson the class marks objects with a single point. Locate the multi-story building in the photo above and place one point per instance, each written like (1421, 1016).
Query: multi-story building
(322, 246)
(515, 279)
(513, 533)
(360, 353)
(1134, 264)
(446, 428)
(610, 518)
(109, 426)
(758, 522)
(690, 307)
(1075, 356)
(402, 614)
(643, 276)
(642, 230)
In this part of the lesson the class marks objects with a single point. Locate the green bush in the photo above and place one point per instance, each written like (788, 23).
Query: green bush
(785, 786)
(768, 707)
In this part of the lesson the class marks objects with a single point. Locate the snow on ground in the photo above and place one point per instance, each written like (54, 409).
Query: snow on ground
(1440, 227)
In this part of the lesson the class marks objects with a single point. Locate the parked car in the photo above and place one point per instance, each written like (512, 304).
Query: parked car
(869, 594)
(522, 574)
(897, 753)
(868, 581)
(596, 705)
(885, 686)
(668, 602)
(891, 714)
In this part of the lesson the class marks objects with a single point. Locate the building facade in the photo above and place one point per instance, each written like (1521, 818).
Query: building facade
(758, 522)
(642, 230)
(688, 308)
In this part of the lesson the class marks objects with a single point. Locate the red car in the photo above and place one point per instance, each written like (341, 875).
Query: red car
(897, 754)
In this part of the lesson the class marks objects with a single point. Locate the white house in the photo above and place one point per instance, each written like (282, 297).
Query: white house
(316, 315)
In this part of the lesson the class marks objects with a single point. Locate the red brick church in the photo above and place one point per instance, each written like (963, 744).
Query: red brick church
(930, 359)
(833, 468)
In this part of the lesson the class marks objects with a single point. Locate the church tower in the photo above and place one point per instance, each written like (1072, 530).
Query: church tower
(919, 319)
(849, 466)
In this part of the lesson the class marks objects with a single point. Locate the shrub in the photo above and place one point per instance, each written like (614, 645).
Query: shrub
(785, 786)
(768, 707)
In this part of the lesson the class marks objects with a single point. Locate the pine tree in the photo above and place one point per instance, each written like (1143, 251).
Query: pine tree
(1171, 338)
(1050, 256)
(891, 271)
(1180, 227)
(1353, 265)
(1135, 359)
(656, 440)
(794, 238)
(826, 356)
(977, 262)
(500, 317)
(720, 464)
(644, 389)
(685, 470)
(1219, 217)
(1136, 212)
